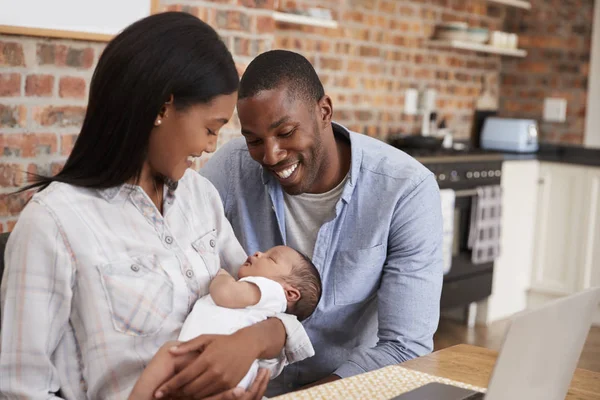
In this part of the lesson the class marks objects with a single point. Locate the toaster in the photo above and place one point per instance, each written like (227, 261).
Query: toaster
(510, 134)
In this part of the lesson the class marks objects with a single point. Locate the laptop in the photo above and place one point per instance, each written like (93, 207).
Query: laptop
(538, 357)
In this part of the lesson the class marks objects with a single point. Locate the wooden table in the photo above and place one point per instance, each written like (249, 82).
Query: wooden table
(462, 365)
(473, 365)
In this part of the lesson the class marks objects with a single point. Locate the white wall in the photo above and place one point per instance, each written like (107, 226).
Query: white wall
(592, 129)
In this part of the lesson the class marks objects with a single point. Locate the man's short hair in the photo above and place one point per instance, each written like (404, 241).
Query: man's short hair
(273, 68)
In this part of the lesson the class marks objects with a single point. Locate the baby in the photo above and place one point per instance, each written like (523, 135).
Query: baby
(279, 280)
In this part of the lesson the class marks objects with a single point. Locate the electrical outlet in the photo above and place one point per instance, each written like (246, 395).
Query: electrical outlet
(555, 109)
(411, 102)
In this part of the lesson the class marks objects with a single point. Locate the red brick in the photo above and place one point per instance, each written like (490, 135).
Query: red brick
(59, 116)
(10, 84)
(12, 116)
(11, 54)
(334, 64)
(232, 20)
(66, 144)
(27, 145)
(388, 7)
(71, 87)
(11, 175)
(369, 51)
(61, 55)
(354, 16)
(39, 85)
(265, 24)
(11, 204)
(267, 4)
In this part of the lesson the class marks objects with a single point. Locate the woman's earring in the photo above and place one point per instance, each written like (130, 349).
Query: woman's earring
(158, 122)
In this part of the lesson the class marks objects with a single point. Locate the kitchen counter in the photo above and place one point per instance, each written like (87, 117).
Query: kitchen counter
(560, 154)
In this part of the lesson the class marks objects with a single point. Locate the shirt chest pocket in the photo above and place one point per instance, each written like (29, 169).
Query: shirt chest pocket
(139, 295)
(357, 274)
(207, 248)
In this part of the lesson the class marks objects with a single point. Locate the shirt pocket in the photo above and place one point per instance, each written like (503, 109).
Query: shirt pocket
(207, 248)
(139, 295)
(357, 274)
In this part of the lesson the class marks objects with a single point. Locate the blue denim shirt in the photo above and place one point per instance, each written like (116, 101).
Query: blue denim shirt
(380, 258)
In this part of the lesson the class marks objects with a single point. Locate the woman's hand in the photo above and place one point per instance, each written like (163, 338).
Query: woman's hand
(223, 361)
(255, 392)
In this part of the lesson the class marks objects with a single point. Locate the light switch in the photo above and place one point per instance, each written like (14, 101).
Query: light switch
(555, 109)
(411, 101)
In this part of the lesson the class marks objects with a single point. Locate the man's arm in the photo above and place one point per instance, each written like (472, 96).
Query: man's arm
(409, 294)
(229, 293)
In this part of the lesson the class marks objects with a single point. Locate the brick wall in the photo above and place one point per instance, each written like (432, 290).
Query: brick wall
(557, 35)
(378, 51)
(381, 49)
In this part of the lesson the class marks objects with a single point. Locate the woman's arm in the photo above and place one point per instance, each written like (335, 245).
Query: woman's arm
(224, 359)
(36, 303)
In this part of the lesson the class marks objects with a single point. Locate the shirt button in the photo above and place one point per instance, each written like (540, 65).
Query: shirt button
(168, 239)
(213, 243)
(189, 273)
(135, 268)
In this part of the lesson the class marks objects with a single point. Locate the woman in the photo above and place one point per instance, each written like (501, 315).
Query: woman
(110, 254)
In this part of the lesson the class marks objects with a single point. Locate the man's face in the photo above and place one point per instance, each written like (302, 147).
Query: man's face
(283, 134)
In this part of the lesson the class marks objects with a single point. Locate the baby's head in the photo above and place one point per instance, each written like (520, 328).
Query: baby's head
(294, 271)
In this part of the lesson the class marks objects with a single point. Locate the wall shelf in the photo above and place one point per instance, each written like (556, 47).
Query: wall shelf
(303, 20)
(514, 3)
(482, 48)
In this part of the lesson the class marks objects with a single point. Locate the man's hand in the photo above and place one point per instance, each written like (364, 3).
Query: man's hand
(223, 361)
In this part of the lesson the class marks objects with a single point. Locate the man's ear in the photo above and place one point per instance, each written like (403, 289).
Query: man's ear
(325, 110)
(291, 293)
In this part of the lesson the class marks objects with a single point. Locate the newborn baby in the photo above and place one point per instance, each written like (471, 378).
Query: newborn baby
(279, 280)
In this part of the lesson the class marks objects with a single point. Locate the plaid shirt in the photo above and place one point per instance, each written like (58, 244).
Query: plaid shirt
(97, 280)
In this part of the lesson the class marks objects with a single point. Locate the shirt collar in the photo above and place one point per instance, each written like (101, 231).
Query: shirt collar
(112, 193)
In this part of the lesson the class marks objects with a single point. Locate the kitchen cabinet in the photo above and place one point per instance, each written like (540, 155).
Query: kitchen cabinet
(591, 251)
(560, 228)
(567, 233)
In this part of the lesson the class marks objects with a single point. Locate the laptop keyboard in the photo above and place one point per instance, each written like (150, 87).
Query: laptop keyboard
(475, 396)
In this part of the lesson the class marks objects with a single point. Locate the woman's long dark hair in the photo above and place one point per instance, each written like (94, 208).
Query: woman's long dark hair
(161, 55)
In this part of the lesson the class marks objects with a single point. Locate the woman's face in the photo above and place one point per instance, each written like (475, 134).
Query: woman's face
(180, 136)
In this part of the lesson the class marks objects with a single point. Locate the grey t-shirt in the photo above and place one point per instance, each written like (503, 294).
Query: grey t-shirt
(304, 215)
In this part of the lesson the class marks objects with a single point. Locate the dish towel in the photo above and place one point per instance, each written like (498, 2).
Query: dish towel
(448, 198)
(486, 221)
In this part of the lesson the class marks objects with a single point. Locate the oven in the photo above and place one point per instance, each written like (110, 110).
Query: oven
(466, 282)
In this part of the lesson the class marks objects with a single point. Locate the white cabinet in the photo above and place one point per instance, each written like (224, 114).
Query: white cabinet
(567, 235)
(591, 250)
(560, 228)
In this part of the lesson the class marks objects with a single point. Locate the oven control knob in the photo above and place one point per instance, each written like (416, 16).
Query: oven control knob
(454, 176)
(476, 174)
(484, 174)
(491, 172)
(469, 175)
(442, 177)
(498, 173)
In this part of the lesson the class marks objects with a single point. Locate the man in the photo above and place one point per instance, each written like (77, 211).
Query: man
(368, 215)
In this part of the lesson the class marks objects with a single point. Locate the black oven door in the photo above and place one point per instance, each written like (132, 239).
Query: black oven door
(465, 282)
